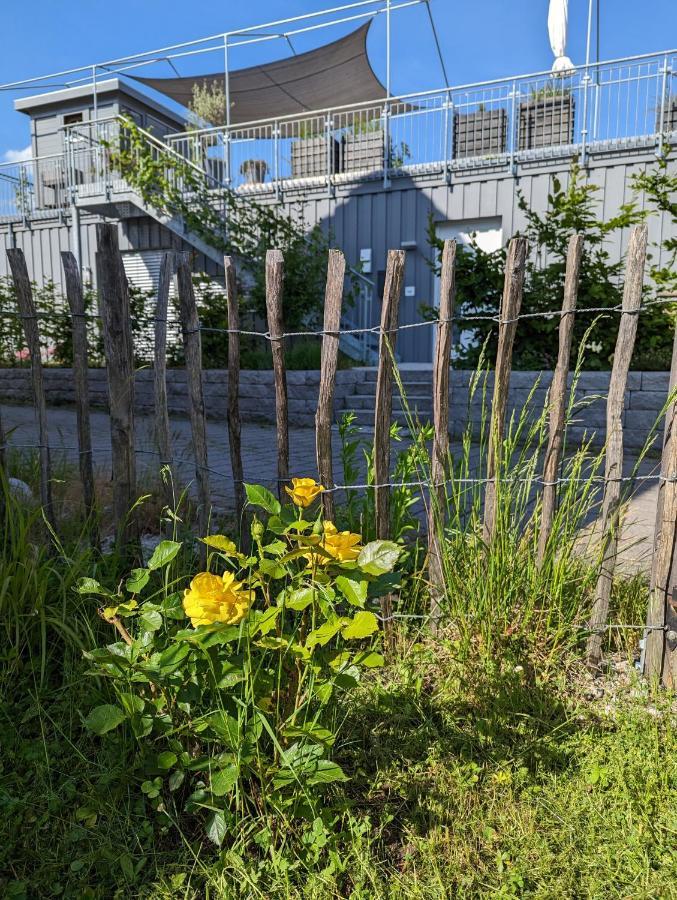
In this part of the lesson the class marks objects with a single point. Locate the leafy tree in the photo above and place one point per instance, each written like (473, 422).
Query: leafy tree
(208, 104)
(660, 189)
(479, 278)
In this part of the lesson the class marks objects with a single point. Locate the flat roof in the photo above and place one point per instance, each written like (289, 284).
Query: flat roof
(107, 86)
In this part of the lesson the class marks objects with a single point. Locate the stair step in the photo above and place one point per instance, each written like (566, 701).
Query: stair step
(422, 404)
(365, 417)
(419, 388)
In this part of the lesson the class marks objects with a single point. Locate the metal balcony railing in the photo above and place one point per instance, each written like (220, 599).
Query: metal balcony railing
(609, 106)
(606, 107)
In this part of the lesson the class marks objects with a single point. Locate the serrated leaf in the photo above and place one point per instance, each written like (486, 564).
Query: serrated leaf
(362, 625)
(216, 828)
(354, 591)
(378, 557)
(138, 579)
(104, 718)
(220, 542)
(163, 554)
(224, 780)
(257, 495)
(90, 586)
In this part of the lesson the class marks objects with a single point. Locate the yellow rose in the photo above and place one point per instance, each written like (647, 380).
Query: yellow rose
(303, 491)
(342, 545)
(214, 598)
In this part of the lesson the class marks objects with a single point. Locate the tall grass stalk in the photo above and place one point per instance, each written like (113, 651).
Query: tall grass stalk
(496, 592)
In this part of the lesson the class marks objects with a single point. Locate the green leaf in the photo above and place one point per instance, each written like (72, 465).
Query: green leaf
(163, 554)
(369, 659)
(378, 557)
(90, 586)
(354, 591)
(104, 718)
(362, 625)
(172, 607)
(220, 542)
(151, 621)
(176, 779)
(166, 759)
(299, 599)
(171, 658)
(272, 568)
(226, 727)
(327, 771)
(324, 633)
(132, 703)
(216, 828)
(257, 495)
(138, 579)
(261, 622)
(223, 781)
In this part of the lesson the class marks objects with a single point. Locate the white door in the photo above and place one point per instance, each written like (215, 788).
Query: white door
(487, 234)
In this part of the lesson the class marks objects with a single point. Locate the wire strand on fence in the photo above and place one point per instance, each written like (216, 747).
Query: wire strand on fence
(364, 486)
(377, 330)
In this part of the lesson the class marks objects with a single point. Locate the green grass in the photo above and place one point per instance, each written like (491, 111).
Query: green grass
(468, 779)
(478, 766)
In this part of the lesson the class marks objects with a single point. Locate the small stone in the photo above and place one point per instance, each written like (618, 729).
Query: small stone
(19, 490)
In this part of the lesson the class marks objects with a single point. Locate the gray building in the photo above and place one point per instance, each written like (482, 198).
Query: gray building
(371, 174)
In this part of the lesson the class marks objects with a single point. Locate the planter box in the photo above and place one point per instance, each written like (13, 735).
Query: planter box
(669, 122)
(481, 133)
(546, 122)
(309, 157)
(363, 152)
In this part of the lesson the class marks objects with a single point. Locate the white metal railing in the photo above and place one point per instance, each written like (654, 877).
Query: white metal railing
(606, 106)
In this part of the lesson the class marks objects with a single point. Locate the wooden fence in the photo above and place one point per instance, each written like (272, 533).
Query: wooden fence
(661, 626)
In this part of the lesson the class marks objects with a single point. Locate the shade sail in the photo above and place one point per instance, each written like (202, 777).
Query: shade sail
(337, 74)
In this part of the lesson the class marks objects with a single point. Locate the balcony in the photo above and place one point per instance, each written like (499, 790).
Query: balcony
(618, 106)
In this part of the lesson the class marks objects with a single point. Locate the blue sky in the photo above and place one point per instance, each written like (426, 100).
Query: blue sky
(480, 40)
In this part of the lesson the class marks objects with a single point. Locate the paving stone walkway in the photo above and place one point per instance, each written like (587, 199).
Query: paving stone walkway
(260, 462)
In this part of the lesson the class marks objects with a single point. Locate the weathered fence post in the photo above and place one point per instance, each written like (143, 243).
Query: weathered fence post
(660, 654)
(613, 470)
(383, 411)
(234, 424)
(3, 447)
(558, 394)
(162, 436)
(24, 297)
(81, 383)
(192, 346)
(440, 450)
(119, 352)
(274, 288)
(510, 308)
(333, 298)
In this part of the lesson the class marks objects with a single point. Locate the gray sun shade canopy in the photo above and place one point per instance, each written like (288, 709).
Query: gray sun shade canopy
(338, 74)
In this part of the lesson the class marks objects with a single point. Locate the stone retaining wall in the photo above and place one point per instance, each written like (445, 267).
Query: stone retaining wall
(645, 397)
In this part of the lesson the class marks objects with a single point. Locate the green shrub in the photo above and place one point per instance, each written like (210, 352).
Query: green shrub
(235, 714)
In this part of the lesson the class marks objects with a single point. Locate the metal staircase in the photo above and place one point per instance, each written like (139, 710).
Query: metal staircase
(94, 185)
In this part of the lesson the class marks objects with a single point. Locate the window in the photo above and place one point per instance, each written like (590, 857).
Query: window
(72, 118)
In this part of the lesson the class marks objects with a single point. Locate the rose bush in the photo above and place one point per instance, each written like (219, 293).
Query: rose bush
(234, 713)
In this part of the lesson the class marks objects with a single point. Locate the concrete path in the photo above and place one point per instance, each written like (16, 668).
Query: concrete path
(260, 462)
